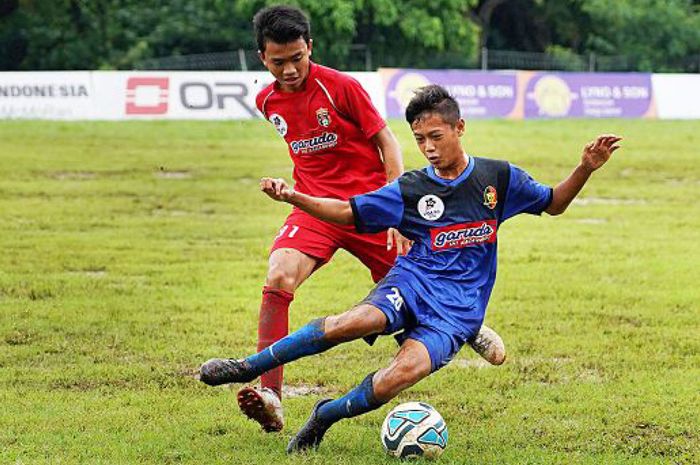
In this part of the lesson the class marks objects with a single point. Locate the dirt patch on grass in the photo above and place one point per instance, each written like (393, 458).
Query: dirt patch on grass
(591, 221)
(73, 175)
(168, 212)
(19, 338)
(175, 174)
(92, 272)
(469, 363)
(302, 390)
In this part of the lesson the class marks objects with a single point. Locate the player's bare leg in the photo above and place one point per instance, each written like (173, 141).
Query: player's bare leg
(411, 364)
(316, 337)
(287, 270)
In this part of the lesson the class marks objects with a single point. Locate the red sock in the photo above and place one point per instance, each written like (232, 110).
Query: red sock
(273, 325)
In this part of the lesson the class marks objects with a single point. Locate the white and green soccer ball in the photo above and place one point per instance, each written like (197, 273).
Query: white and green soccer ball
(414, 429)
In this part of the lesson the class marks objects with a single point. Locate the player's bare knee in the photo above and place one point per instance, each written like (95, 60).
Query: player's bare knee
(281, 277)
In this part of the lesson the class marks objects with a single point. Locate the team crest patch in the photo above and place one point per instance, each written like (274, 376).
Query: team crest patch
(279, 123)
(323, 117)
(490, 197)
(431, 207)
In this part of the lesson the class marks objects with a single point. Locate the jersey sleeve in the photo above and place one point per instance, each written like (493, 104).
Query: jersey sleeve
(379, 210)
(354, 101)
(525, 195)
(260, 99)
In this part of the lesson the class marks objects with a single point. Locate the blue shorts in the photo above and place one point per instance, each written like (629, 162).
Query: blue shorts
(405, 310)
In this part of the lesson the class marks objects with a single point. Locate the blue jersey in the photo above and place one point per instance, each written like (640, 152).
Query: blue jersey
(454, 224)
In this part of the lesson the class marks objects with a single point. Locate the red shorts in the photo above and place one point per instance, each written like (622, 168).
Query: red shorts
(320, 240)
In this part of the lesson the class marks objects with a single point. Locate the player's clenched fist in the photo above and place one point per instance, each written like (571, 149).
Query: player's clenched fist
(276, 188)
(597, 152)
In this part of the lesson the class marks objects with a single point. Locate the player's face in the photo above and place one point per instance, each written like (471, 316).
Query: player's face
(438, 140)
(288, 63)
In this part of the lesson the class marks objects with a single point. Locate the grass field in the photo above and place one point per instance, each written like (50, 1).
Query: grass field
(132, 252)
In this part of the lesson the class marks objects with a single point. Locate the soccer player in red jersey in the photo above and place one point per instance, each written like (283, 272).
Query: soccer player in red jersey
(340, 147)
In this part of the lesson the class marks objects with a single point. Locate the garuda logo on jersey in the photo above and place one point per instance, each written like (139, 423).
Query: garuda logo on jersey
(458, 236)
(323, 117)
(490, 197)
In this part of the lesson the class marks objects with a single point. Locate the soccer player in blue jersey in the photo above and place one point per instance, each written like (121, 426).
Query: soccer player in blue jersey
(435, 297)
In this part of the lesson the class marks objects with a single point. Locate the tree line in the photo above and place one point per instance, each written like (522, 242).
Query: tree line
(654, 35)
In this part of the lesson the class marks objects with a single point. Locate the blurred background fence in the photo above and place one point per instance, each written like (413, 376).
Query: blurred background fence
(361, 58)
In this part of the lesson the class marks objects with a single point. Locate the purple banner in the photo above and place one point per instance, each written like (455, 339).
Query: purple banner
(479, 94)
(588, 95)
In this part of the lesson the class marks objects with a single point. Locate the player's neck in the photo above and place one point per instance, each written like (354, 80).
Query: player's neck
(453, 171)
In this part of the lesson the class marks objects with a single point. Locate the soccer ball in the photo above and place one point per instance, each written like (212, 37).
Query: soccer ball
(414, 429)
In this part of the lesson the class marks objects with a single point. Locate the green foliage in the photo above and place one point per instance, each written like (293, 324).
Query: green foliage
(133, 251)
(423, 29)
(655, 34)
(107, 34)
(118, 34)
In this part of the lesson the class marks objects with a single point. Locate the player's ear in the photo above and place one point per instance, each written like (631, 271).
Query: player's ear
(460, 126)
(310, 45)
(261, 55)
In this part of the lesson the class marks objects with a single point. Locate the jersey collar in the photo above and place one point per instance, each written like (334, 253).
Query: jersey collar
(430, 170)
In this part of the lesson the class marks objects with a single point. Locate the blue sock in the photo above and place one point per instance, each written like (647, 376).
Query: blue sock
(356, 402)
(307, 340)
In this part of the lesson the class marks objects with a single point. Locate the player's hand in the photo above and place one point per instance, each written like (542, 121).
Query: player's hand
(596, 153)
(276, 188)
(394, 237)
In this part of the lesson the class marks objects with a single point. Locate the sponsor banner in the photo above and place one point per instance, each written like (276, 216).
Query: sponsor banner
(677, 95)
(178, 95)
(479, 94)
(588, 95)
(108, 95)
(231, 95)
(46, 95)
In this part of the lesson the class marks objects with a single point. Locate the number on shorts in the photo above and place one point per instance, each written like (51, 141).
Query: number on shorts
(395, 299)
(291, 234)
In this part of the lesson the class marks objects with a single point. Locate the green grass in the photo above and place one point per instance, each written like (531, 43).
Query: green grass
(131, 252)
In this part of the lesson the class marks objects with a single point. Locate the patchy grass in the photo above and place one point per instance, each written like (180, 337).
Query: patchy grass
(131, 252)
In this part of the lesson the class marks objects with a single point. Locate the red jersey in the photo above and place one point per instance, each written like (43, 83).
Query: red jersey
(328, 127)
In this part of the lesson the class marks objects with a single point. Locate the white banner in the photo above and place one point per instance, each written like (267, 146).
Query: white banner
(46, 95)
(373, 84)
(677, 95)
(178, 95)
(108, 95)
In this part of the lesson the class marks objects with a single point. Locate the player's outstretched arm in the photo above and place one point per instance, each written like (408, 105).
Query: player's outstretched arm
(332, 210)
(595, 154)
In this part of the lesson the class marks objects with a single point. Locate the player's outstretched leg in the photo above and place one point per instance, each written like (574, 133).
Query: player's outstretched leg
(308, 340)
(410, 365)
(489, 345)
(314, 338)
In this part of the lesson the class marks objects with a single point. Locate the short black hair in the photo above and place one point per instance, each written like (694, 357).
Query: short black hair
(281, 24)
(433, 99)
